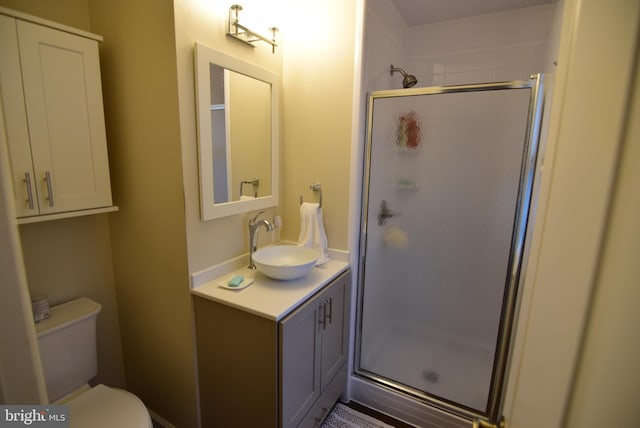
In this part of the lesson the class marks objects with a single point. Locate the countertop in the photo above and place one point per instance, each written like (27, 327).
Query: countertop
(270, 298)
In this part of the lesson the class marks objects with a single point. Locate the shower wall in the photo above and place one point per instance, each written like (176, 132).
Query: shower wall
(495, 47)
(501, 46)
(385, 43)
(508, 45)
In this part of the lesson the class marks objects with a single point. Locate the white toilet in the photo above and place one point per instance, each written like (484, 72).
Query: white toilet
(67, 342)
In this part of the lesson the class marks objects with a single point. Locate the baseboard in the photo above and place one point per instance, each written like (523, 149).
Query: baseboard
(159, 421)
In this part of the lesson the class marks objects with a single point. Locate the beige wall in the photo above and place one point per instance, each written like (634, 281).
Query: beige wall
(70, 258)
(315, 131)
(138, 61)
(316, 66)
(74, 13)
(149, 85)
(214, 241)
(608, 380)
(66, 259)
(157, 237)
(249, 104)
(586, 123)
(250, 134)
(317, 89)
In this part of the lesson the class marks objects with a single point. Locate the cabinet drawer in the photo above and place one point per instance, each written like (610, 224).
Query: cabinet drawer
(323, 406)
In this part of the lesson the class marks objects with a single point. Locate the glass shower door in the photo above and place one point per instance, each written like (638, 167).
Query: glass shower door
(447, 188)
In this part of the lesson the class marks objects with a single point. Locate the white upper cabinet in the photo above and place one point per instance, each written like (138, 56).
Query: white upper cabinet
(54, 120)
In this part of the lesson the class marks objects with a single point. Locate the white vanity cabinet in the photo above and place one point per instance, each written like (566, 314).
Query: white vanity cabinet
(255, 371)
(51, 95)
(314, 351)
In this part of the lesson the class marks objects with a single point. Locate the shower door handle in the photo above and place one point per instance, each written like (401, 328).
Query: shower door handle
(385, 213)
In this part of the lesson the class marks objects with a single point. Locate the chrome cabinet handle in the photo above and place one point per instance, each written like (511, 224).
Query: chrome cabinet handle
(47, 178)
(27, 180)
(327, 315)
(322, 320)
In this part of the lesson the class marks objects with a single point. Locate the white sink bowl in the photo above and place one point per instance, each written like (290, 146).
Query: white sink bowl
(285, 261)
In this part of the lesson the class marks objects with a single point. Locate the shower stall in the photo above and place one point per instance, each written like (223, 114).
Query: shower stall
(447, 191)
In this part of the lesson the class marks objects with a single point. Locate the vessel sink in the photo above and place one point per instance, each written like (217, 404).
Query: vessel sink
(285, 261)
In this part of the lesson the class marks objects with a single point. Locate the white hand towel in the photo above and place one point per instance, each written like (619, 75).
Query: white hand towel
(312, 232)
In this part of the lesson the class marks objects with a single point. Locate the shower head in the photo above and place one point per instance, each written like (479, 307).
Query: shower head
(409, 79)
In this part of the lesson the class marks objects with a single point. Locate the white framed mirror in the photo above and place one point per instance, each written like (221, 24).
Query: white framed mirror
(238, 136)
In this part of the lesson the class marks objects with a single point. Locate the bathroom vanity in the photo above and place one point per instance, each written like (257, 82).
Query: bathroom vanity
(274, 353)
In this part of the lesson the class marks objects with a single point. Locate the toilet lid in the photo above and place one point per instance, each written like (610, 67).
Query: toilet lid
(104, 407)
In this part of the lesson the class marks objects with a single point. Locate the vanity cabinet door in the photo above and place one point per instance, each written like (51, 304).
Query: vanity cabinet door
(51, 91)
(313, 350)
(300, 362)
(335, 340)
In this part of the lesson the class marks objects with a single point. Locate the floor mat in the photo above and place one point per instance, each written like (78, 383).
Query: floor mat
(345, 417)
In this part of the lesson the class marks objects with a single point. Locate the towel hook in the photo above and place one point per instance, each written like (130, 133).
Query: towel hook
(317, 187)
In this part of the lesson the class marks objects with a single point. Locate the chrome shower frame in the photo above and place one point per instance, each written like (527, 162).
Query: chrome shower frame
(439, 407)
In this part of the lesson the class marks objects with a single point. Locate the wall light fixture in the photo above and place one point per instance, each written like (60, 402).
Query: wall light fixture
(244, 34)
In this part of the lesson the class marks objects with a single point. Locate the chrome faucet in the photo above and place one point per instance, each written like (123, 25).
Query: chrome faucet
(254, 227)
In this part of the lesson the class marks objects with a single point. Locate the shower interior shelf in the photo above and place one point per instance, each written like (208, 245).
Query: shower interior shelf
(406, 184)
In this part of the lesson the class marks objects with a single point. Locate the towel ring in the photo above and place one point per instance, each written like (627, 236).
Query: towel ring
(254, 182)
(316, 188)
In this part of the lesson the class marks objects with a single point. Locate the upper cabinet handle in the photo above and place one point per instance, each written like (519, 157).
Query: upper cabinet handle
(27, 180)
(47, 178)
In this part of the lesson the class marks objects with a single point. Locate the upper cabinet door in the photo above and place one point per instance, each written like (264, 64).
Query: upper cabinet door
(16, 130)
(63, 98)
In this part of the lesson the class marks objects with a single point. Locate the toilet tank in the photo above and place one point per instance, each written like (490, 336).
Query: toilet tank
(67, 341)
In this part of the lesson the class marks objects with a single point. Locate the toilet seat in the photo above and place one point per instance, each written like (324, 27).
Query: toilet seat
(104, 407)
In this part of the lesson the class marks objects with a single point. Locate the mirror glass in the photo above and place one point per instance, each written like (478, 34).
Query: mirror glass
(238, 146)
